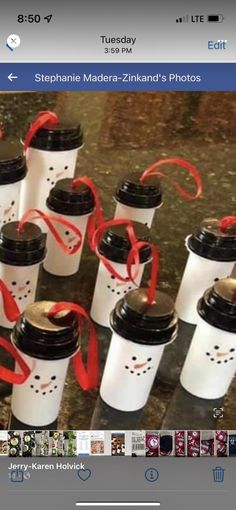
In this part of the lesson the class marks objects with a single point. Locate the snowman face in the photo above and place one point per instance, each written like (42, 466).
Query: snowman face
(45, 385)
(70, 239)
(221, 354)
(20, 290)
(54, 173)
(117, 287)
(139, 367)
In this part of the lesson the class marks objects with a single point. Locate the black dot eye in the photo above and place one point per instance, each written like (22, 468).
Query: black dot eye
(27, 283)
(53, 378)
(67, 232)
(65, 167)
(216, 347)
(112, 277)
(134, 358)
(13, 202)
(37, 377)
(231, 350)
(149, 359)
(216, 279)
(13, 283)
(51, 168)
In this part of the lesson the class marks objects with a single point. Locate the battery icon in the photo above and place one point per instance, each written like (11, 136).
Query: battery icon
(215, 18)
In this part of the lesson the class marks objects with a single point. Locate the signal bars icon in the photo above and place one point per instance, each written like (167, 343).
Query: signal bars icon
(183, 19)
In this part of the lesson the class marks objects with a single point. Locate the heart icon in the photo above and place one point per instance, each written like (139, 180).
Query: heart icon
(84, 474)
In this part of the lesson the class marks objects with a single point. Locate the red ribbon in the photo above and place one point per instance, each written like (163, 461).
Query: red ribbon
(88, 378)
(11, 309)
(35, 214)
(1, 133)
(192, 170)
(96, 218)
(133, 260)
(8, 375)
(226, 222)
(44, 119)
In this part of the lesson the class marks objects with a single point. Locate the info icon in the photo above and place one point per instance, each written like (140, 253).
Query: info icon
(151, 474)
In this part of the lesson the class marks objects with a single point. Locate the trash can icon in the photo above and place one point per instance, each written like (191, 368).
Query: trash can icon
(218, 474)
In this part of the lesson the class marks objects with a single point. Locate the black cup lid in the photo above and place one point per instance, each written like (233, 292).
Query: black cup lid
(62, 137)
(133, 193)
(12, 162)
(40, 337)
(115, 244)
(133, 318)
(70, 201)
(218, 305)
(212, 243)
(25, 249)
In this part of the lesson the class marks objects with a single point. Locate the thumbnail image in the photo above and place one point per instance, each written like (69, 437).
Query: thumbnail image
(138, 444)
(232, 443)
(207, 448)
(3, 442)
(117, 444)
(221, 443)
(166, 443)
(69, 443)
(56, 439)
(41, 443)
(28, 444)
(97, 442)
(14, 443)
(83, 442)
(193, 443)
(180, 443)
(152, 444)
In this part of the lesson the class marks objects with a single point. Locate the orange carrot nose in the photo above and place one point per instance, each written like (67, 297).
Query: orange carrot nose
(59, 174)
(140, 366)
(71, 239)
(22, 288)
(220, 354)
(7, 210)
(43, 386)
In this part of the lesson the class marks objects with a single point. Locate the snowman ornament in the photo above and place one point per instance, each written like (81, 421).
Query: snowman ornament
(210, 364)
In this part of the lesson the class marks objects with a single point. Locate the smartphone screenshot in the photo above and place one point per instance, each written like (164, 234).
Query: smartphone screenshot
(117, 255)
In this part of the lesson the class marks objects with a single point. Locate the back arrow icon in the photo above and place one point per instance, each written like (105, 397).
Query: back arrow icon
(11, 77)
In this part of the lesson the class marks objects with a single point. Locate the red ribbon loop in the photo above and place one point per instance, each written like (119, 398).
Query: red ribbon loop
(192, 170)
(35, 214)
(44, 119)
(88, 378)
(11, 309)
(8, 375)
(227, 222)
(98, 234)
(133, 261)
(96, 218)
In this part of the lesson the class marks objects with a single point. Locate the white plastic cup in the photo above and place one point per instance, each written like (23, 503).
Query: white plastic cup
(138, 201)
(74, 205)
(212, 256)
(210, 364)
(46, 346)
(51, 156)
(139, 338)
(115, 246)
(20, 258)
(12, 171)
